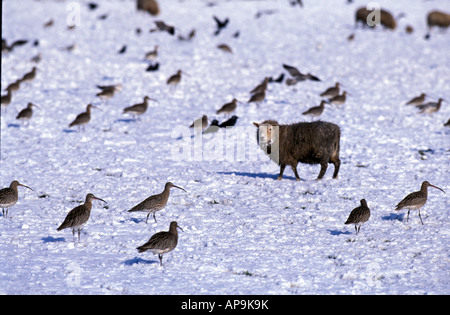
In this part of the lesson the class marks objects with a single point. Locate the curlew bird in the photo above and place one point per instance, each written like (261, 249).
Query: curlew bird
(162, 242)
(338, 99)
(78, 216)
(37, 58)
(151, 55)
(155, 203)
(9, 196)
(82, 119)
(14, 87)
(175, 79)
(297, 76)
(108, 91)
(138, 109)
(416, 200)
(260, 87)
(228, 108)
(316, 110)
(331, 92)
(200, 122)
(431, 107)
(29, 76)
(418, 100)
(26, 113)
(225, 48)
(257, 98)
(6, 99)
(359, 215)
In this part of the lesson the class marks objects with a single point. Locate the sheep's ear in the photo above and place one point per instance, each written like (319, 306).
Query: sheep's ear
(256, 124)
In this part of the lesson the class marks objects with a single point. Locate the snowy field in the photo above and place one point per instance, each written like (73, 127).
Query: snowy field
(244, 231)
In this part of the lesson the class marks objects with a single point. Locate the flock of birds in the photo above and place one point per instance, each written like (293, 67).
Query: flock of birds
(165, 241)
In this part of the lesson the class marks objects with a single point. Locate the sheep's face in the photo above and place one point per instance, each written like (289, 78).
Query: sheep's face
(267, 136)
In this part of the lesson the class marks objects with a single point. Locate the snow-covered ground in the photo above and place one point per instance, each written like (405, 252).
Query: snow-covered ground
(244, 231)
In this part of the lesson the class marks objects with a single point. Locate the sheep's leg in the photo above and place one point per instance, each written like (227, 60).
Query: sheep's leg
(294, 168)
(337, 164)
(282, 166)
(323, 169)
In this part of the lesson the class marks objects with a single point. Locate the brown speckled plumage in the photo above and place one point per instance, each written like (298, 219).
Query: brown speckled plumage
(155, 203)
(78, 216)
(9, 196)
(416, 200)
(359, 215)
(162, 242)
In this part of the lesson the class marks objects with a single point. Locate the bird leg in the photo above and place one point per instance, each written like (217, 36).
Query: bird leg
(160, 259)
(420, 217)
(147, 217)
(154, 216)
(407, 216)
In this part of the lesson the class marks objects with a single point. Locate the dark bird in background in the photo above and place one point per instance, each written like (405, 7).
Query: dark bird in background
(297, 76)
(220, 25)
(123, 49)
(213, 127)
(17, 43)
(229, 123)
(163, 27)
(295, 2)
(277, 80)
(92, 6)
(152, 67)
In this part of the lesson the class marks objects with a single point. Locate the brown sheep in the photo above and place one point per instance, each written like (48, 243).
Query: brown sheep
(306, 142)
(150, 6)
(439, 19)
(386, 18)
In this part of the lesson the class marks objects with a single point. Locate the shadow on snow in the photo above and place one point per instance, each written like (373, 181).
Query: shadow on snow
(137, 260)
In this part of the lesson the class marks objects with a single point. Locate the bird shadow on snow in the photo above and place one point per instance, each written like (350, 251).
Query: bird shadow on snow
(137, 260)
(337, 232)
(14, 125)
(51, 239)
(257, 175)
(125, 120)
(69, 130)
(393, 216)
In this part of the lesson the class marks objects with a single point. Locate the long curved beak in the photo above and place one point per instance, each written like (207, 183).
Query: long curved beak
(438, 188)
(179, 227)
(99, 199)
(25, 186)
(179, 188)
